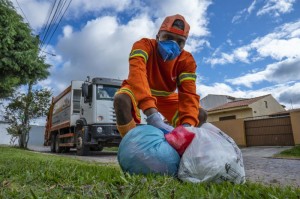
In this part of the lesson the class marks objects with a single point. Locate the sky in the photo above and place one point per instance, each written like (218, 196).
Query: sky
(242, 48)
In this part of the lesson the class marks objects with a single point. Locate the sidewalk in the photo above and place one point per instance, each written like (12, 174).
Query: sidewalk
(263, 151)
(261, 167)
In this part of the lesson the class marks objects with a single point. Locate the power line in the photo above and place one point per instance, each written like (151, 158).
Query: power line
(48, 25)
(58, 23)
(23, 14)
(52, 54)
(30, 26)
(55, 16)
(47, 20)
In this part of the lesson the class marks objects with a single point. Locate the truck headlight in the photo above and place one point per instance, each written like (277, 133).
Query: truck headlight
(99, 118)
(99, 129)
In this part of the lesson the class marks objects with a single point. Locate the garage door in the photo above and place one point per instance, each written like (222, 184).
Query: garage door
(269, 132)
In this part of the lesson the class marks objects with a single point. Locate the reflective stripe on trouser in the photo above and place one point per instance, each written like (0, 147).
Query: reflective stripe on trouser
(135, 112)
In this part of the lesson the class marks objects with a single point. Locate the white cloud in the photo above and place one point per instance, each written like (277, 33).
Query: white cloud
(67, 31)
(194, 12)
(81, 7)
(280, 49)
(248, 79)
(282, 46)
(243, 14)
(287, 94)
(276, 7)
(229, 41)
(290, 95)
(251, 7)
(218, 89)
(101, 47)
(241, 54)
(282, 43)
(279, 72)
(35, 11)
(195, 45)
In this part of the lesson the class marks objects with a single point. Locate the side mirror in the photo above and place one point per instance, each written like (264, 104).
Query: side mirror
(86, 93)
(85, 90)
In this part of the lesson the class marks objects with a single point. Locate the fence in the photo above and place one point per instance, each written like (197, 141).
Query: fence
(264, 131)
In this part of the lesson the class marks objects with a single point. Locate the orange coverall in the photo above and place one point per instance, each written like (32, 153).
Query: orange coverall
(152, 83)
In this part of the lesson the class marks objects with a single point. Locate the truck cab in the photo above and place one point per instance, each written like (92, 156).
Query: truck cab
(83, 117)
(97, 114)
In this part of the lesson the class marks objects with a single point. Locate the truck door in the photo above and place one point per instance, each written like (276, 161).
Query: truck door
(87, 107)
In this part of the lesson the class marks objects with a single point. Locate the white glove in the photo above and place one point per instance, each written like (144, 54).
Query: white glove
(155, 120)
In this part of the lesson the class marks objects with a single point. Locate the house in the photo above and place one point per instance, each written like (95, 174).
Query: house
(211, 101)
(245, 108)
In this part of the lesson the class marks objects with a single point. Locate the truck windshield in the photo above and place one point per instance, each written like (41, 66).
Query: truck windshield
(106, 92)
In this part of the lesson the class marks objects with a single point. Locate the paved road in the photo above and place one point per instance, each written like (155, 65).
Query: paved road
(258, 161)
(261, 167)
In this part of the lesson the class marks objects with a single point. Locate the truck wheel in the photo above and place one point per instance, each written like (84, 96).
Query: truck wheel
(81, 148)
(52, 146)
(96, 148)
(66, 150)
(58, 149)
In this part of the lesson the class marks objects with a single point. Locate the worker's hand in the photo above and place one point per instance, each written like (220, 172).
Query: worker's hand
(155, 120)
(186, 125)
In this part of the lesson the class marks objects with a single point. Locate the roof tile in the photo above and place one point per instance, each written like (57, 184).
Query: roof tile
(238, 103)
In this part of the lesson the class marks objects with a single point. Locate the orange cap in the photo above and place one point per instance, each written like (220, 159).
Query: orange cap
(168, 23)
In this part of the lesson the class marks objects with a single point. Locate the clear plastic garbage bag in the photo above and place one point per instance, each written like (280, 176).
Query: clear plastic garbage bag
(144, 150)
(212, 156)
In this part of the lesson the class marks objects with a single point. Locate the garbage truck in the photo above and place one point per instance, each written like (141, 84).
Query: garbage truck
(83, 117)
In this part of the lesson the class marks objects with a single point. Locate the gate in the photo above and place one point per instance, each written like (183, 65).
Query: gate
(269, 132)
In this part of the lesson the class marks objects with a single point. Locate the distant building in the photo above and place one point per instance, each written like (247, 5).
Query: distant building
(36, 135)
(244, 108)
(211, 101)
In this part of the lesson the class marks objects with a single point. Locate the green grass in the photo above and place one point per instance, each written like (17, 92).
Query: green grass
(290, 153)
(26, 174)
(114, 149)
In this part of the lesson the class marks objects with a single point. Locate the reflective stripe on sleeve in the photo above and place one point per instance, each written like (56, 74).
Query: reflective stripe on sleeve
(139, 53)
(186, 76)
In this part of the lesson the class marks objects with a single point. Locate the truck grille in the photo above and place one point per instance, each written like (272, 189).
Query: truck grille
(113, 115)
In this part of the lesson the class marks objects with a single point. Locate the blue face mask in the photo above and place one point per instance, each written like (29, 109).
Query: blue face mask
(168, 49)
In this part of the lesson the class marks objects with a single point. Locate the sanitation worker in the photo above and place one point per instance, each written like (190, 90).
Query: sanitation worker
(161, 80)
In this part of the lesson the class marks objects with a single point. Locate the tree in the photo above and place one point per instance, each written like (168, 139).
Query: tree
(22, 109)
(20, 62)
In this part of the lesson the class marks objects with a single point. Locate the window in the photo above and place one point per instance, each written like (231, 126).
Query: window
(266, 104)
(231, 117)
(105, 92)
(76, 100)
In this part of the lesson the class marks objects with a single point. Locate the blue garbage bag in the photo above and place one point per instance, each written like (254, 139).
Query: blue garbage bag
(144, 150)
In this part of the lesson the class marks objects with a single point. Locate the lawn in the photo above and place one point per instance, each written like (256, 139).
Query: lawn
(27, 174)
(290, 153)
(111, 149)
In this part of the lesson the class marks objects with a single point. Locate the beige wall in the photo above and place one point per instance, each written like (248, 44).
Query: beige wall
(239, 113)
(234, 128)
(259, 108)
(295, 120)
